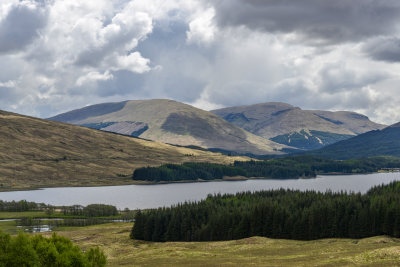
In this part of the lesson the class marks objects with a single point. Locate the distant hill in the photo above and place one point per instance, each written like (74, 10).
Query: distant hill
(170, 122)
(289, 125)
(310, 139)
(42, 153)
(384, 142)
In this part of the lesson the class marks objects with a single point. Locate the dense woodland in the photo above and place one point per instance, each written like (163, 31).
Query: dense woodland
(277, 214)
(281, 168)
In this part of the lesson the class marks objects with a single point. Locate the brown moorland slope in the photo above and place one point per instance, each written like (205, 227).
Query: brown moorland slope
(40, 153)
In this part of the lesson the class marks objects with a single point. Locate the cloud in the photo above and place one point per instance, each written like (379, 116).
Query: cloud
(384, 49)
(93, 77)
(201, 28)
(337, 77)
(20, 26)
(334, 55)
(315, 22)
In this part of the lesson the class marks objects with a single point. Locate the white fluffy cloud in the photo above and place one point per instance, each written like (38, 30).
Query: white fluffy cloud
(59, 55)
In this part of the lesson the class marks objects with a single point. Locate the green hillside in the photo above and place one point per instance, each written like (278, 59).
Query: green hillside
(384, 142)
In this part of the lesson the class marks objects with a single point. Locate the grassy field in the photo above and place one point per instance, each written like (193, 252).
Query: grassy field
(255, 251)
(21, 214)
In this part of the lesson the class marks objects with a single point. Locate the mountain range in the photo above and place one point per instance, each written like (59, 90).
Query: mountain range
(260, 129)
(40, 153)
(171, 122)
(292, 126)
(36, 152)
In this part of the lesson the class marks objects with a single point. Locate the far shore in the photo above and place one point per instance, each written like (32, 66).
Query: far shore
(120, 182)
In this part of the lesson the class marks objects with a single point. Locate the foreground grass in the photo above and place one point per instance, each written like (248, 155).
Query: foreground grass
(255, 251)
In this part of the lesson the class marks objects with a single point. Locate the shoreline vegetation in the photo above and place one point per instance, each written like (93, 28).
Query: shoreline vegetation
(294, 167)
(32, 216)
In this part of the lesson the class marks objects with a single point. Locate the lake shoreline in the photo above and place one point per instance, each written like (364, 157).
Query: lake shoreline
(144, 182)
(142, 196)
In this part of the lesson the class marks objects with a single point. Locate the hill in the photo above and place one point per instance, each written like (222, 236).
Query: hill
(40, 153)
(292, 126)
(170, 122)
(384, 142)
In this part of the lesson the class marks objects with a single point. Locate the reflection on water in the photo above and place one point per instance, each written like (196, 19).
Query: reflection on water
(152, 196)
(40, 225)
(35, 228)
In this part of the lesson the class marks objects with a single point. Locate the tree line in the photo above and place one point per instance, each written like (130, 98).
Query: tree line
(92, 210)
(281, 213)
(21, 205)
(280, 168)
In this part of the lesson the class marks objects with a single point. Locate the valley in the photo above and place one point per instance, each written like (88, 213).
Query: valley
(199, 133)
(118, 154)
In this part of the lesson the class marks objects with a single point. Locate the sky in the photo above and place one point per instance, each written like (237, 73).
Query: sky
(59, 55)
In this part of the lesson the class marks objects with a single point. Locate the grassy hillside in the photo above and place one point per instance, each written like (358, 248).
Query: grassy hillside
(384, 142)
(41, 153)
(254, 251)
(275, 120)
(171, 122)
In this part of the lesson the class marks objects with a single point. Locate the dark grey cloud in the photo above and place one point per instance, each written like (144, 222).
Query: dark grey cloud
(20, 27)
(181, 65)
(318, 22)
(337, 77)
(8, 94)
(383, 49)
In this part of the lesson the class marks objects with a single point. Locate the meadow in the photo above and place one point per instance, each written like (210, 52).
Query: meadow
(114, 240)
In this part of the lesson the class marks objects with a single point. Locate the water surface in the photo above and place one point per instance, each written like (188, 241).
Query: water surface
(153, 196)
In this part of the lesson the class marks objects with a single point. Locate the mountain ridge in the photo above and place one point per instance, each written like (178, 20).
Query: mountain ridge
(277, 120)
(173, 122)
